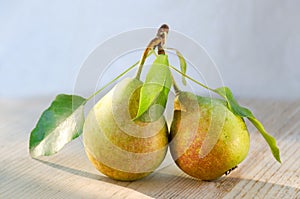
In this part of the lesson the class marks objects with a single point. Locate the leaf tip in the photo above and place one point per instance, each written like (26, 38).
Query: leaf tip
(134, 119)
(277, 155)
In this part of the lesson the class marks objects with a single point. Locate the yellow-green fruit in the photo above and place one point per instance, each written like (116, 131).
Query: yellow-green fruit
(119, 147)
(207, 139)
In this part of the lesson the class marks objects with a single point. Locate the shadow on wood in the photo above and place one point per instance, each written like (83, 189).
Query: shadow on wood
(163, 184)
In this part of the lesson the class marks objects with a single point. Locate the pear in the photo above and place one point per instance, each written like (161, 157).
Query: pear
(118, 146)
(206, 139)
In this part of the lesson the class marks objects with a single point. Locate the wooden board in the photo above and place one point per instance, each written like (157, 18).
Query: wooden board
(69, 174)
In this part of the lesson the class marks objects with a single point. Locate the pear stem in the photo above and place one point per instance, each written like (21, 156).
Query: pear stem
(158, 41)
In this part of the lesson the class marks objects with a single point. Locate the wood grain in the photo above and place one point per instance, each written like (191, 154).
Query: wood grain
(69, 174)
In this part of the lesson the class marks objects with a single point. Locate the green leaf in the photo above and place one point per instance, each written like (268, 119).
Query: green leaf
(233, 105)
(58, 125)
(155, 90)
(182, 63)
(270, 140)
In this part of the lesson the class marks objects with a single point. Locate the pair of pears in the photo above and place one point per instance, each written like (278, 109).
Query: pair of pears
(206, 139)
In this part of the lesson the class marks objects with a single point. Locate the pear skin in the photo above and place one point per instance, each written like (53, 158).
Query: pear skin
(117, 146)
(206, 139)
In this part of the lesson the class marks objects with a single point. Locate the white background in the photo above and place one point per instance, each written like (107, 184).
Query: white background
(255, 44)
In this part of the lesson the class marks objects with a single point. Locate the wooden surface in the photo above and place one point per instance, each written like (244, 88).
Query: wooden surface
(69, 174)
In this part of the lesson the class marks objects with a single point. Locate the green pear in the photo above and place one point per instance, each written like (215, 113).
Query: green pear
(206, 139)
(118, 146)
